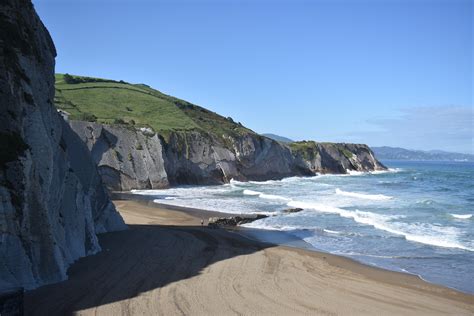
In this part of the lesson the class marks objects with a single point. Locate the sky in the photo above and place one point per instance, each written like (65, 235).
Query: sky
(381, 72)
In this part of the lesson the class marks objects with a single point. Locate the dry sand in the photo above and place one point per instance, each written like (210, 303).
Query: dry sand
(166, 264)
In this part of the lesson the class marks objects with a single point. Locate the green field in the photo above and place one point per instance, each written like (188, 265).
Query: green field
(118, 102)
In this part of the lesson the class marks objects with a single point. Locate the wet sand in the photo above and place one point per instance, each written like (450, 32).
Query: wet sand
(167, 264)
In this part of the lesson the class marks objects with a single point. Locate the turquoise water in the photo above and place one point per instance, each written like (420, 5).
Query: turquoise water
(416, 218)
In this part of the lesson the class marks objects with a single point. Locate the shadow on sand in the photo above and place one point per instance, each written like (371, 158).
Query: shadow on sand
(143, 258)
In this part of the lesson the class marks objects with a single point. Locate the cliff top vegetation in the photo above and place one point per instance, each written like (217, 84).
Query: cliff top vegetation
(118, 102)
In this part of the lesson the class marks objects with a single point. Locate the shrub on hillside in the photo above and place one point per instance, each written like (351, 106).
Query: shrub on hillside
(88, 117)
(73, 80)
(69, 79)
(119, 121)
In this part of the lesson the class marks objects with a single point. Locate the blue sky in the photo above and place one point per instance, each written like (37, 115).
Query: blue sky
(396, 73)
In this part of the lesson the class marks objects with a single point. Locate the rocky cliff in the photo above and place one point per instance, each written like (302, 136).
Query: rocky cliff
(52, 201)
(142, 138)
(334, 157)
(138, 158)
(126, 158)
(133, 158)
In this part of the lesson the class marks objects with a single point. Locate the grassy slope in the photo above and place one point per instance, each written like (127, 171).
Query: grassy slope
(113, 100)
(307, 149)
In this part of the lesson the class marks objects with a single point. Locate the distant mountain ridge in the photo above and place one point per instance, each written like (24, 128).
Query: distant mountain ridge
(397, 153)
(278, 138)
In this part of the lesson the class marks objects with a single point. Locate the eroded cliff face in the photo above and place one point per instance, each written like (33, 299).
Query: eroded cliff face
(335, 157)
(52, 201)
(127, 159)
(200, 158)
(131, 158)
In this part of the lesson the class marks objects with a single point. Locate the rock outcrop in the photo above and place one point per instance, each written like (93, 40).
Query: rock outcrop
(201, 158)
(127, 159)
(232, 221)
(292, 210)
(134, 158)
(52, 201)
(335, 157)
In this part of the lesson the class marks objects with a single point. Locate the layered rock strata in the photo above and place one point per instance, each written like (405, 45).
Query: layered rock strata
(52, 201)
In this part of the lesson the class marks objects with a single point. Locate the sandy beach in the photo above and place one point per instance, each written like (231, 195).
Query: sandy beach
(167, 264)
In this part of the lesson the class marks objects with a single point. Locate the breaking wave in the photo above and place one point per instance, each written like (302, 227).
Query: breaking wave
(265, 196)
(376, 197)
(462, 216)
(428, 234)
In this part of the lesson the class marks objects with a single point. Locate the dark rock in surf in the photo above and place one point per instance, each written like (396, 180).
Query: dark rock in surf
(234, 220)
(292, 210)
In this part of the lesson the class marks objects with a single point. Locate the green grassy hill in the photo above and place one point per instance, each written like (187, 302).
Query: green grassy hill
(118, 102)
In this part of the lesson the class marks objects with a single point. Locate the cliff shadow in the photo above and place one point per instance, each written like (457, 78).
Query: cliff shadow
(135, 261)
(105, 142)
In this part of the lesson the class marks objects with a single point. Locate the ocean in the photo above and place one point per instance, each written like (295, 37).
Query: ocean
(417, 217)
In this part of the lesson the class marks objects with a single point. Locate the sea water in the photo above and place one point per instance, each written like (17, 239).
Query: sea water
(417, 217)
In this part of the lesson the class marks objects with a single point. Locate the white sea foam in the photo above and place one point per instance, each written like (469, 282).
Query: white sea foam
(276, 182)
(446, 237)
(350, 173)
(292, 179)
(347, 174)
(330, 175)
(269, 224)
(376, 197)
(355, 172)
(268, 182)
(236, 182)
(360, 173)
(263, 224)
(251, 192)
(229, 199)
(389, 170)
(273, 197)
(350, 253)
(322, 184)
(146, 192)
(265, 196)
(331, 231)
(461, 216)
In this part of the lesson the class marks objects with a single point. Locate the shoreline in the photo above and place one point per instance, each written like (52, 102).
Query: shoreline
(257, 235)
(280, 238)
(167, 263)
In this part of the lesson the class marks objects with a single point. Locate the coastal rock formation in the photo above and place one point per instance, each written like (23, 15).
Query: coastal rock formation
(334, 157)
(142, 138)
(234, 220)
(199, 158)
(52, 201)
(127, 159)
(137, 158)
(134, 158)
(292, 210)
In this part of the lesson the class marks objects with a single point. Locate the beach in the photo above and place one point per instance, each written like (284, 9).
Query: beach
(166, 263)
